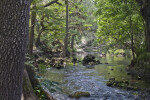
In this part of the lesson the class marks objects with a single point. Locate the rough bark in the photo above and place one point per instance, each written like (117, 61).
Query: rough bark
(14, 23)
(145, 12)
(31, 35)
(28, 91)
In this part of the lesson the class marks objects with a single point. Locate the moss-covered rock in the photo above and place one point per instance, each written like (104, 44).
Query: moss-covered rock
(120, 84)
(90, 60)
(79, 94)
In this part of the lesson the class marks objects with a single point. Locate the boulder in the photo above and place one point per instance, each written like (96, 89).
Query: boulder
(57, 63)
(89, 59)
(79, 94)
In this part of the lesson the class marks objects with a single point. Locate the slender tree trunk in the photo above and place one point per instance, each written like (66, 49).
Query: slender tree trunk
(31, 35)
(132, 38)
(148, 35)
(14, 23)
(38, 41)
(72, 42)
(65, 49)
(132, 46)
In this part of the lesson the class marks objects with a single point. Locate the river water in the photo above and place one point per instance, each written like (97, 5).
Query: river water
(93, 80)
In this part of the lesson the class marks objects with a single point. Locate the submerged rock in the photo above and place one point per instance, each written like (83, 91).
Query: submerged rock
(79, 94)
(120, 84)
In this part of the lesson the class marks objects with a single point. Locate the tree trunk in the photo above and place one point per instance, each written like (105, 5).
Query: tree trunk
(145, 12)
(72, 42)
(148, 35)
(28, 91)
(38, 41)
(132, 38)
(65, 48)
(31, 35)
(14, 24)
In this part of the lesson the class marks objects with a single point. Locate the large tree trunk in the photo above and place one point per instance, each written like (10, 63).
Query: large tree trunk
(14, 23)
(31, 35)
(145, 12)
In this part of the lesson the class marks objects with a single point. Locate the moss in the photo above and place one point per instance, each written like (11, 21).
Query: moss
(79, 94)
(120, 84)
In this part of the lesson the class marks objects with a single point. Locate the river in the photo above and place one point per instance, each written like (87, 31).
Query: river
(93, 80)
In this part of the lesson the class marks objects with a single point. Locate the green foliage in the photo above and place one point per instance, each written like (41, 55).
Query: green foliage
(47, 85)
(52, 86)
(29, 61)
(42, 67)
(128, 52)
(40, 94)
(144, 56)
(118, 21)
(119, 51)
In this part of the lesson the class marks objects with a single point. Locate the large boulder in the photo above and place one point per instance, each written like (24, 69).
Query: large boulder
(79, 94)
(89, 59)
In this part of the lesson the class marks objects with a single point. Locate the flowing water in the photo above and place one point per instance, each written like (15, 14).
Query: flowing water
(93, 80)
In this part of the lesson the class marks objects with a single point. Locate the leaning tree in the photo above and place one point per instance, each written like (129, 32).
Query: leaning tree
(14, 23)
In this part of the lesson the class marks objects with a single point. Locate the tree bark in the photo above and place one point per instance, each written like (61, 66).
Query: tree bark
(14, 23)
(132, 38)
(31, 35)
(28, 91)
(72, 42)
(145, 12)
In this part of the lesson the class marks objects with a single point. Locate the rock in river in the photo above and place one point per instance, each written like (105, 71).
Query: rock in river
(89, 59)
(79, 94)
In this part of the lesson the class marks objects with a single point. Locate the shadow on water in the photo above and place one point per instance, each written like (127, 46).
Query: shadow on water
(80, 78)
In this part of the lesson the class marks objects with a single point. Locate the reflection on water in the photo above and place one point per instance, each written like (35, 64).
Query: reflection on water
(80, 78)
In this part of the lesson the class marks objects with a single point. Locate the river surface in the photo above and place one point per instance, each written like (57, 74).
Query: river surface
(93, 80)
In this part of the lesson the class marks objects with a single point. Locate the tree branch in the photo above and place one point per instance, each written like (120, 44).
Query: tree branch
(52, 2)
